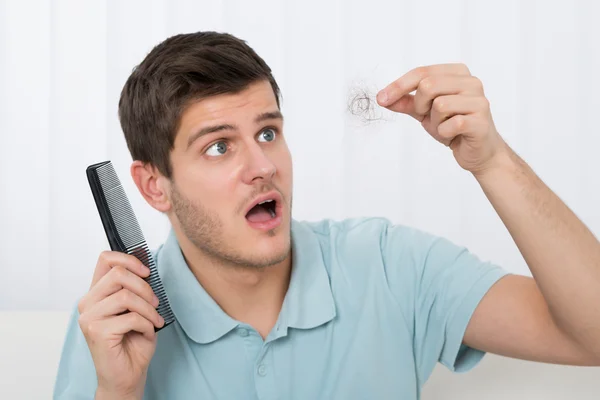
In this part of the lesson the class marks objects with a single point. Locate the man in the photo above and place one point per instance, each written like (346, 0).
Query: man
(269, 307)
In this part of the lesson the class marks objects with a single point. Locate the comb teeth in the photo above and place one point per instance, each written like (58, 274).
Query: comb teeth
(122, 226)
(120, 209)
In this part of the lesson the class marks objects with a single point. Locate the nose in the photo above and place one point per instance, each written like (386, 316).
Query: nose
(258, 165)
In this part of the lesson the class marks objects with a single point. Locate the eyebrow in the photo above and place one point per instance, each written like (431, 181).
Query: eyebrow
(228, 127)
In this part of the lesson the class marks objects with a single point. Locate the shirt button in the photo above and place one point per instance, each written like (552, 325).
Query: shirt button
(243, 332)
(262, 370)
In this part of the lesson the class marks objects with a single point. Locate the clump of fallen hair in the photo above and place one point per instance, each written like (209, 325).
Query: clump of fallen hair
(363, 104)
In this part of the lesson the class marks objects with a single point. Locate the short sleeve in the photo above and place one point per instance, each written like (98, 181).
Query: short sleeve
(440, 285)
(76, 377)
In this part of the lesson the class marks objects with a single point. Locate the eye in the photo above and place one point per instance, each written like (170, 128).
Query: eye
(217, 149)
(268, 135)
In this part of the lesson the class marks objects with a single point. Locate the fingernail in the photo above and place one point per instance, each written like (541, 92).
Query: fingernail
(155, 301)
(383, 97)
(161, 320)
(145, 269)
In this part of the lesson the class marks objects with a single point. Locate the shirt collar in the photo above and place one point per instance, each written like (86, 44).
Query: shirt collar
(308, 302)
(198, 314)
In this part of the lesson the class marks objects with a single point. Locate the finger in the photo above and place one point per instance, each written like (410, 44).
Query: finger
(419, 104)
(406, 105)
(440, 85)
(109, 259)
(445, 107)
(459, 125)
(116, 279)
(409, 81)
(123, 301)
(119, 325)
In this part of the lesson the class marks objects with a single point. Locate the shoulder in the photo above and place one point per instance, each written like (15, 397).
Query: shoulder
(394, 243)
(400, 257)
(371, 234)
(373, 248)
(347, 225)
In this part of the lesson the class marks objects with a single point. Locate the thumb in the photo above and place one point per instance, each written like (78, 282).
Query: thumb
(404, 105)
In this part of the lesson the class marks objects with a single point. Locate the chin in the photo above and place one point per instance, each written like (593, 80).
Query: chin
(271, 246)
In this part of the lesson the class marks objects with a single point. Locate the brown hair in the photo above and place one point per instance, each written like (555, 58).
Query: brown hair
(182, 69)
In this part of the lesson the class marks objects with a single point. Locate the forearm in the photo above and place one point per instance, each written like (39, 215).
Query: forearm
(562, 254)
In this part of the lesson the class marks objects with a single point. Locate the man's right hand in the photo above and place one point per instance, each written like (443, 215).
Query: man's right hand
(117, 317)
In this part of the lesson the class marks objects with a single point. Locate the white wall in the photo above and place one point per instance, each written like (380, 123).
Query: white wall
(63, 63)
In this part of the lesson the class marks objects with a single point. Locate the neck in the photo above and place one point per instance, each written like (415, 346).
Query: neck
(247, 294)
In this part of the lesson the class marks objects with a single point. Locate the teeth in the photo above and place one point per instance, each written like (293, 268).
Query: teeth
(271, 211)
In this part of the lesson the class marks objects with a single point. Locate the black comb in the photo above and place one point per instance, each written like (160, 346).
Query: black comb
(122, 228)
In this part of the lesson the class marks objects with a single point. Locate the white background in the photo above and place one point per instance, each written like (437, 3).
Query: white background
(64, 62)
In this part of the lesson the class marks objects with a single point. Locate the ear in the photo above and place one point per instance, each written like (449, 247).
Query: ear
(153, 186)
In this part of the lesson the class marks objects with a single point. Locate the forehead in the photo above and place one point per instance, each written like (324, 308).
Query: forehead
(230, 108)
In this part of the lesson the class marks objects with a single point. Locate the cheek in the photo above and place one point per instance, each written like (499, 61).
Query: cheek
(284, 165)
(234, 173)
(216, 187)
(204, 187)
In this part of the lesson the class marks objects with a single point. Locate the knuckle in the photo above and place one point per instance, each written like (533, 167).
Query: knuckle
(81, 306)
(149, 291)
(148, 324)
(125, 296)
(82, 321)
(439, 105)
(118, 272)
(132, 260)
(477, 83)
(104, 257)
(445, 130)
(427, 84)
(89, 328)
(133, 317)
(464, 68)
(459, 122)
(484, 102)
(398, 85)
(422, 71)
(137, 319)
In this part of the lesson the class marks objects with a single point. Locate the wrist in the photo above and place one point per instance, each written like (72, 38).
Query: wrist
(505, 160)
(106, 394)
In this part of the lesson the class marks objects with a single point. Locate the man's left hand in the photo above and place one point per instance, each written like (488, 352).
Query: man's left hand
(451, 106)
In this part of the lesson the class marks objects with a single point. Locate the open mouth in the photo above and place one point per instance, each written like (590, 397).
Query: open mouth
(263, 211)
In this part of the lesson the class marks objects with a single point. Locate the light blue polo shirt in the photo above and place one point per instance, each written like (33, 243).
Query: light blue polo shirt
(371, 308)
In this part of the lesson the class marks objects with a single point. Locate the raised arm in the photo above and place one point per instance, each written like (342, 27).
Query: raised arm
(554, 317)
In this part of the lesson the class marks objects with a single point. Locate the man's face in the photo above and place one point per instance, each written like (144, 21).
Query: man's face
(229, 154)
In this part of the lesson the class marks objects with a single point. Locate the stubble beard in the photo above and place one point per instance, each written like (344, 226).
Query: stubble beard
(205, 230)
